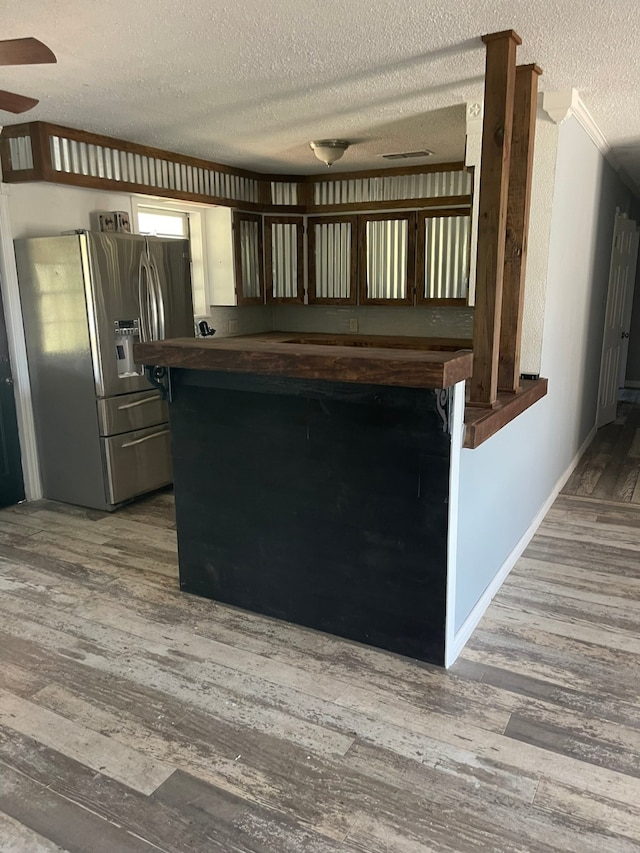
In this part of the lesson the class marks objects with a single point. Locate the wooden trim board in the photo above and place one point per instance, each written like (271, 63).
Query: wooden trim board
(481, 423)
(373, 366)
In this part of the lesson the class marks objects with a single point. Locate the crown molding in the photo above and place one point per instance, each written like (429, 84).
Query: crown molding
(559, 106)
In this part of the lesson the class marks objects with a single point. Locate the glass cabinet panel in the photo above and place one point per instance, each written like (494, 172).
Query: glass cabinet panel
(388, 265)
(332, 260)
(444, 244)
(284, 258)
(248, 252)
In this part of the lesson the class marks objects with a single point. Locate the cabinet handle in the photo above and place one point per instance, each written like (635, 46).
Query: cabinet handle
(145, 438)
(139, 403)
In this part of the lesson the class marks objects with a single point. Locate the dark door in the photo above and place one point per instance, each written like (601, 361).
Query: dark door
(11, 483)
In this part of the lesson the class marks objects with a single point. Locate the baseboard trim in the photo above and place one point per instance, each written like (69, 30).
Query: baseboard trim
(470, 623)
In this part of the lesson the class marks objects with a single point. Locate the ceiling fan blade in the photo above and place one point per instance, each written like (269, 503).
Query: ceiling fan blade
(27, 51)
(13, 103)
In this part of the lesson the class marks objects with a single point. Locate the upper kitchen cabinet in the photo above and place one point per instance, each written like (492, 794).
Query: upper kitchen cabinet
(284, 258)
(387, 258)
(394, 258)
(386, 236)
(333, 260)
(234, 247)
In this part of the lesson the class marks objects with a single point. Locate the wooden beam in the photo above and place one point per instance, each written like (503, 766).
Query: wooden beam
(500, 77)
(261, 355)
(515, 259)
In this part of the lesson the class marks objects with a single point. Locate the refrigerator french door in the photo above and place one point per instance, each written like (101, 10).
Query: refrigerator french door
(102, 430)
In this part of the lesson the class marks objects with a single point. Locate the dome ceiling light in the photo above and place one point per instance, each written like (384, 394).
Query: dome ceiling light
(329, 150)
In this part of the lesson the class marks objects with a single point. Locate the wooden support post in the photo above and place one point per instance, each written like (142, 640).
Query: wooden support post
(515, 259)
(499, 88)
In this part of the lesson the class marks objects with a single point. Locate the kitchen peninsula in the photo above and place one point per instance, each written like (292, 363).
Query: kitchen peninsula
(312, 478)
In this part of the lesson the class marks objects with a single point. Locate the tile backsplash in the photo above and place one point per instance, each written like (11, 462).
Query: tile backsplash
(248, 320)
(422, 321)
(375, 320)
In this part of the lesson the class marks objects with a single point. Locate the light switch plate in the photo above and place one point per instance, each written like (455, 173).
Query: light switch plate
(233, 326)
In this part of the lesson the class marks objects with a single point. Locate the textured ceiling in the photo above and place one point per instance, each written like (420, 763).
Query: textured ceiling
(250, 83)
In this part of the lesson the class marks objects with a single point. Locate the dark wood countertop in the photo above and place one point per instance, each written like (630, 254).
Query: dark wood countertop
(376, 360)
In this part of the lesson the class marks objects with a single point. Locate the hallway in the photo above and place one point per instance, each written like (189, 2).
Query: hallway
(137, 718)
(610, 469)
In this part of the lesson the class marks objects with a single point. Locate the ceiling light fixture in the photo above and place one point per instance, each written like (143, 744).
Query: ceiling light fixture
(329, 150)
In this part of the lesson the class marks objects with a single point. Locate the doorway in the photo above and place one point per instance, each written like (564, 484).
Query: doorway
(11, 481)
(624, 255)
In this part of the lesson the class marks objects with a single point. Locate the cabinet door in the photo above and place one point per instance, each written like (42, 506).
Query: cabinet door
(284, 258)
(333, 260)
(387, 259)
(247, 232)
(444, 239)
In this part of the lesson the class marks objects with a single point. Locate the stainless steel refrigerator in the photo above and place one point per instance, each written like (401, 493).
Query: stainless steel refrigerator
(102, 430)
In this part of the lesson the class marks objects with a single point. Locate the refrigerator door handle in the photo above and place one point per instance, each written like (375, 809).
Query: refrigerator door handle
(153, 303)
(144, 299)
(158, 298)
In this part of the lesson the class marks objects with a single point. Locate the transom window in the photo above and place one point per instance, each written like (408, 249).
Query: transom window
(163, 223)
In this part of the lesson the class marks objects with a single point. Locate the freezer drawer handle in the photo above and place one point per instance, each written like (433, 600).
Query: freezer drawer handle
(139, 403)
(146, 438)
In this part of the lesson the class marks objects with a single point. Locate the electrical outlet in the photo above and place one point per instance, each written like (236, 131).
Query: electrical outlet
(233, 327)
(353, 324)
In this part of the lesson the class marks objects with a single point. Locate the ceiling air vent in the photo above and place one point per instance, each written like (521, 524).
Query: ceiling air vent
(407, 155)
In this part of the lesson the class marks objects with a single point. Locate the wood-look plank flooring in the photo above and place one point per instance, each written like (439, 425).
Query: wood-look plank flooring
(137, 718)
(610, 469)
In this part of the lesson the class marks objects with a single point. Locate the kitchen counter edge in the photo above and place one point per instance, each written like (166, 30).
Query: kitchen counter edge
(279, 355)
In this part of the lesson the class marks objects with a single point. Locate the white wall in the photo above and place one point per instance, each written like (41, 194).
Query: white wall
(542, 189)
(45, 210)
(505, 483)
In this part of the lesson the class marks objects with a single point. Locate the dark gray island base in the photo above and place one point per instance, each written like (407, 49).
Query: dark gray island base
(322, 503)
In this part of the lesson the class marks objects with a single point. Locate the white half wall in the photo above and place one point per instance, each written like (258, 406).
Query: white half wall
(506, 482)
